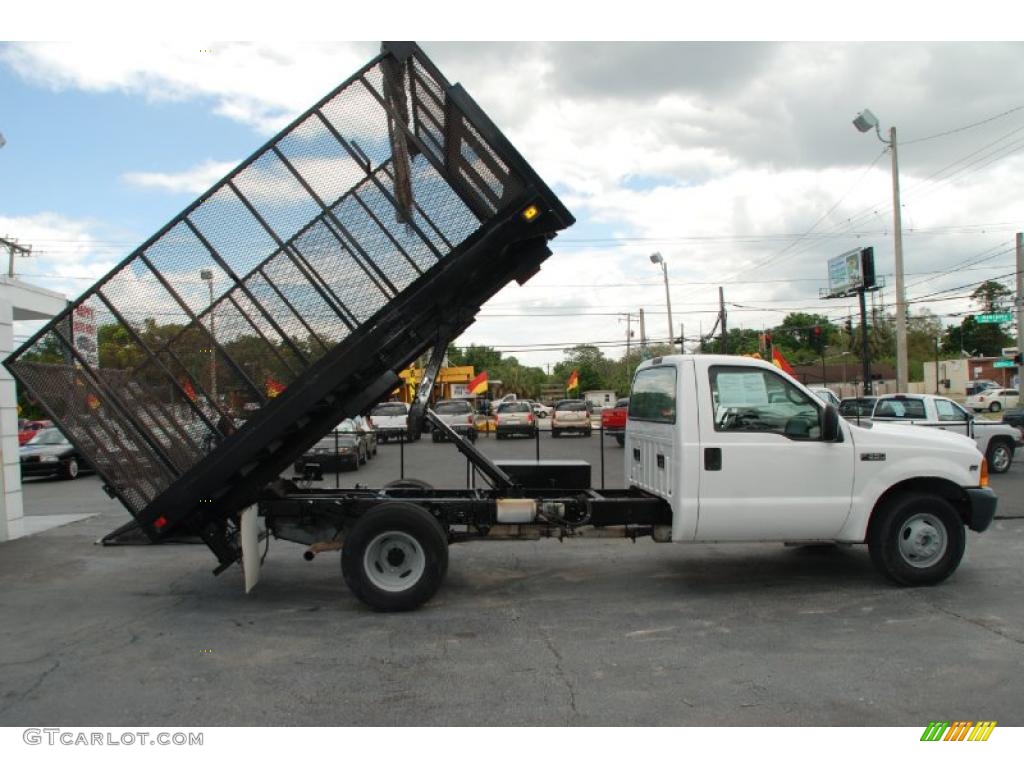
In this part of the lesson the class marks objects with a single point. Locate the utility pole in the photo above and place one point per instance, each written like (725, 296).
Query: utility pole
(1020, 295)
(629, 330)
(643, 336)
(682, 340)
(13, 249)
(721, 315)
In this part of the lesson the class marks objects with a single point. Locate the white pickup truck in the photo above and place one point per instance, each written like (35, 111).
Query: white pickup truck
(717, 448)
(995, 440)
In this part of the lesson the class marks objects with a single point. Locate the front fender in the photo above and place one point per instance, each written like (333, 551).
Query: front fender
(871, 485)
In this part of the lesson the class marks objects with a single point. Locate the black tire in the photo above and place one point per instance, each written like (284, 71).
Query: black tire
(390, 536)
(621, 440)
(69, 468)
(472, 436)
(996, 407)
(364, 457)
(588, 433)
(916, 539)
(435, 436)
(555, 432)
(999, 456)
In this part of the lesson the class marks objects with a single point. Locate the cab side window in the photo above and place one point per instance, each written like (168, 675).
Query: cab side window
(653, 397)
(746, 400)
(950, 411)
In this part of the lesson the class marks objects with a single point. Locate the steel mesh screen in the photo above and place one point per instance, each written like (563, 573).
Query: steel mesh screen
(283, 261)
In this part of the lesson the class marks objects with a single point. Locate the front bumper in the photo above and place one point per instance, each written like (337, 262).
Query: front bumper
(983, 503)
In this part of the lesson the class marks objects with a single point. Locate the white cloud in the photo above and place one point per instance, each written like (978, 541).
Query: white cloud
(260, 85)
(195, 180)
(713, 166)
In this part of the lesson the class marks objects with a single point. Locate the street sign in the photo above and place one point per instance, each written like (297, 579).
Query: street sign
(1004, 364)
(1010, 352)
(994, 317)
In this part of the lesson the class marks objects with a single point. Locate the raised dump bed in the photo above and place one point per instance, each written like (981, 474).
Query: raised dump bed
(289, 295)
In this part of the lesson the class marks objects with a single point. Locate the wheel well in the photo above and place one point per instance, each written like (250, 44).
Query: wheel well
(937, 486)
(1002, 439)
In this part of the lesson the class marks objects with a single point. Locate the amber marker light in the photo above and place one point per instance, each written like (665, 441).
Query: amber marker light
(531, 212)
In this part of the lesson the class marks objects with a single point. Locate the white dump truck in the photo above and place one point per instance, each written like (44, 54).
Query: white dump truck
(366, 235)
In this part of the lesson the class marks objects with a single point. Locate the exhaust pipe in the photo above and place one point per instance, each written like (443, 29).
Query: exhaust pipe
(322, 546)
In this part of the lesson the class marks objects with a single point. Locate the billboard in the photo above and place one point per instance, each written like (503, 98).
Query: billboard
(851, 271)
(844, 273)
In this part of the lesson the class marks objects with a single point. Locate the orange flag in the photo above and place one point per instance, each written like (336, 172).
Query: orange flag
(274, 387)
(781, 362)
(574, 381)
(478, 384)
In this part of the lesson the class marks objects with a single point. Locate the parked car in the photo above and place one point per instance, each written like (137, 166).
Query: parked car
(509, 398)
(974, 386)
(613, 420)
(390, 420)
(996, 441)
(457, 414)
(48, 453)
(826, 395)
(515, 418)
(368, 435)
(28, 428)
(540, 410)
(341, 449)
(857, 407)
(571, 416)
(993, 399)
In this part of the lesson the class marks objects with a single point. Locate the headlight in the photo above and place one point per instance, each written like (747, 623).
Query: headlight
(49, 459)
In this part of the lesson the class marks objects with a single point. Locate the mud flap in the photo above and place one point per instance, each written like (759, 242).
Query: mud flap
(250, 547)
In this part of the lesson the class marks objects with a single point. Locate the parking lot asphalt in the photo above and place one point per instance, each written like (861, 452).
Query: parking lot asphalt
(522, 633)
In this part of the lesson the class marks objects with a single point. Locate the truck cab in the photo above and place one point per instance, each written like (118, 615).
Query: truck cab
(743, 452)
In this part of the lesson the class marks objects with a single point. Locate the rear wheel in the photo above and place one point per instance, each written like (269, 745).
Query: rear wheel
(555, 432)
(999, 455)
(69, 470)
(395, 557)
(996, 407)
(916, 540)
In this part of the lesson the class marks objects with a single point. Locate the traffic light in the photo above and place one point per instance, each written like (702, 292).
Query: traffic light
(817, 339)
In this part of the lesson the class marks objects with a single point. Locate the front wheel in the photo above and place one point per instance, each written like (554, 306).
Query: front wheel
(996, 407)
(70, 469)
(1000, 456)
(621, 440)
(916, 540)
(395, 557)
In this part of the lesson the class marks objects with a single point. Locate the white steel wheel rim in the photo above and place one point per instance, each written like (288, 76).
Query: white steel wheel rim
(394, 561)
(1000, 458)
(922, 540)
(72, 468)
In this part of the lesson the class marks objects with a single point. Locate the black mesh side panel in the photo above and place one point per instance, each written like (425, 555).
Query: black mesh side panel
(293, 257)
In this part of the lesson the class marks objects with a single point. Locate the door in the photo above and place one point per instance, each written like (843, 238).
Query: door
(952, 417)
(765, 472)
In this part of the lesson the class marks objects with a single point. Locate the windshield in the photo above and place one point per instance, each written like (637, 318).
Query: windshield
(514, 408)
(453, 406)
(389, 409)
(571, 405)
(47, 437)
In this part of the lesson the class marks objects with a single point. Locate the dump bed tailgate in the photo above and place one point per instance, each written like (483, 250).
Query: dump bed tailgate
(289, 295)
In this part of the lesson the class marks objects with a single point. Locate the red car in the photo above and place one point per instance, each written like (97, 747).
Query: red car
(27, 429)
(613, 420)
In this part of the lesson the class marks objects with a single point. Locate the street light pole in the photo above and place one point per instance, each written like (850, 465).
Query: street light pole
(207, 275)
(656, 258)
(864, 122)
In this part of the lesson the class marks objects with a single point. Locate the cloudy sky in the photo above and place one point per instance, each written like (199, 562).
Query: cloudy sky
(737, 162)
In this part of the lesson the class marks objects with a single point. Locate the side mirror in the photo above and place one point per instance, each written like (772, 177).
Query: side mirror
(830, 432)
